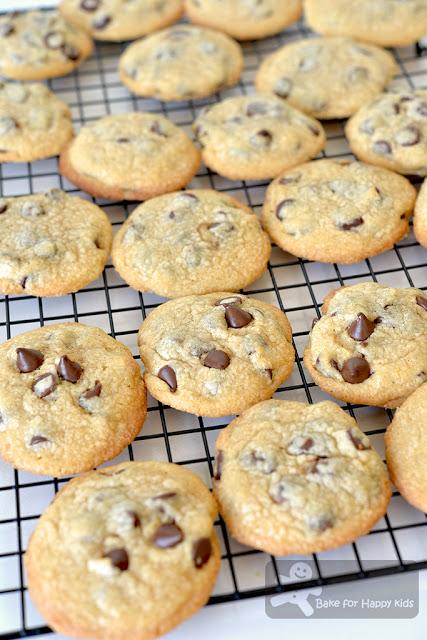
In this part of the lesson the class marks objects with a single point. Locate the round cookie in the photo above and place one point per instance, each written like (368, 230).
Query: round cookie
(71, 398)
(34, 123)
(406, 448)
(298, 478)
(256, 137)
(36, 45)
(370, 346)
(191, 242)
(420, 216)
(181, 63)
(51, 244)
(391, 131)
(389, 23)
(128, 551)
(216, 354)
(244, 19)
(130, 156)
(326, 77)
(118, 20)
(361, 210)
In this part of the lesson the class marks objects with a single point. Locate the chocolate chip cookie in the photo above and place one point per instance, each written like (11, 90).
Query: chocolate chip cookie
(389, 23)
(117, 20)
(36, 45)
(71, 398)
(51, 244)
(130, 156)
(420, 216)
(191, 242)
(256, 137)
(361, 210)
(406, 448)
(181, 63)
(326, 77)
(370, 346)
(391, 131)
(244, 19)
(128, 551)
(34, 123)
(298, 478)
(216, 354)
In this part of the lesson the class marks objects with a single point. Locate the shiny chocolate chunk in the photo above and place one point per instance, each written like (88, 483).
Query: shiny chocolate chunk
(93, 392)
(38, 440)
(347, 226)
(237, 318)
(28, 360)
(168, 535)
(69, 370)
(216, 360)
(355, 370)
(422, 302)
(167, 374)
(119, 558)
(202, 550)
(361, 328)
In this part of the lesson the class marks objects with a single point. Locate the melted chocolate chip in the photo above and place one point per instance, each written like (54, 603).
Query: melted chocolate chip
(202, 550)
(381, 147)
(54, 40)
(357, 440)
(155, 128)
(280, 209)
(123, 140)
(89, 5)
(263, 136)
(219, 461)
(361, 328)
(28, 360)
(168, 535)
(165, 496)
(355, 370)
(216, 360)
(38, 440)
(136, 520)
(322, 523)
(3, 206)
(93, 392)
(119, 558)
(71, 52)
(347, 226)
(237, 318)
(69, 370)
(167, 374)
(101, 22)
(422, 302)
(23, 282)
(44, 385)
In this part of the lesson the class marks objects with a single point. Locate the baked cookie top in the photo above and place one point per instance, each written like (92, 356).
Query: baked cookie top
(406, 448)
(389, 23)
(131, 156)
(361, 210)
(191, 242)
(256, 137)
(326, 77)
(244, 19)
(391, 131)
(118, 20)
(128, 551)
(34, 123)
(40, 44)
(370, 346)
(51, 243)
(420, 216)
(181, 63)
(71, 398)
(298, 478)
(215, 354)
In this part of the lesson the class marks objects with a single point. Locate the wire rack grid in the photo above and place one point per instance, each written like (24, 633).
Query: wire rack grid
(396, 544)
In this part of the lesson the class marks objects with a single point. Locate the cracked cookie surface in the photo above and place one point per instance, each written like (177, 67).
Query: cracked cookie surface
(181, 63)
(391, 131)
(406, 448)
(389, 23)
(134, 543)
(71, 398)
(326, 77)
(191, 242)
(51, 244)
(361, 210)
(370, 346)
(35, 45)
(130, 156)
(244, 19)
(298, 478)
(215, 354)
(117, 20)
(420, 216)
(256, 137)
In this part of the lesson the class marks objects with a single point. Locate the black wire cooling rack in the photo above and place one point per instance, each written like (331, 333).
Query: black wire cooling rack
(397, 543)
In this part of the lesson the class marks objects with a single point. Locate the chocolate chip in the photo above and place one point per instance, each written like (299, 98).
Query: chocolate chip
(202, 550)
(69, 370)
(256, 109)
(101, 22)
(165, 496)
(28, 360)
(258, 460)
(6, 29)
(283, 87)
(37, 440)
(237, 318)
(93, 392)
(263, 137)
(123, 140)
(408, 137)
(167, 374)
(422, 302)
(23, 282)
(44, 385)
(321, 523)
(227, 302)
(361, 328)
(314, 130)
(269, 373)
(54, 40)
(216, 359)
(347, 226)
(355, 370)
(280, 209)
(155, 128)
(71, 52)
(381, 147)
(136, 520)
(168, 535)
(219, 461)
(3, 205)
(119, 558)
(355, 438)
(89, 5)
